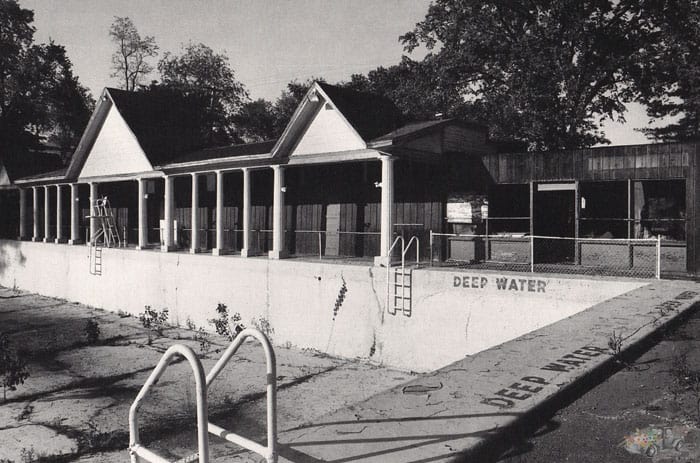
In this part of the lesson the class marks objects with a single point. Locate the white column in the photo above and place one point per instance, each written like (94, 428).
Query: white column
(278, 249)
(387, 223)
(143, 215)
(22, 213)
(246, 251)
(169, 206)
(74, 214)
(219, 249)
(35, 213)
(194, 247)
(93, 222)
(59, 215)
(47, 216)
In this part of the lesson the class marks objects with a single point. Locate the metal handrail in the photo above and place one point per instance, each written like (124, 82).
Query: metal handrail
(388, 270)
(408, 246)
(136, 450)
(270, 451)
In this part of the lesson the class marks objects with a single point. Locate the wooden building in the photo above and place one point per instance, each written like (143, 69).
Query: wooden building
(345, 177)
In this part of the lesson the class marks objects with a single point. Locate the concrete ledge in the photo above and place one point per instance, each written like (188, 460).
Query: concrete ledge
(165, 248)
(74, 242)
(278, 254)
(219, 252)
(463, 409)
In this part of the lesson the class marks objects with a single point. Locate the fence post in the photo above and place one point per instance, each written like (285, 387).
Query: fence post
(320, 247)
(431, 247)
(658, 257)
(532, 253)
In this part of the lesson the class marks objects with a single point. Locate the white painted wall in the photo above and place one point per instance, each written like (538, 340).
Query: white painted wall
(115, 151)
(447, 322)
(328, 132)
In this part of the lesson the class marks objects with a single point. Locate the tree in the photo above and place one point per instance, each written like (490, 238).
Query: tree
(256, 121)
(411, 86)
(289, 100)
(40, 97)
(200, 71)
(540, 71)
(668, 75)
(130, 61)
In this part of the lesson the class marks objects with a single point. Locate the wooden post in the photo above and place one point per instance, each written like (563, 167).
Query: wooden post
(47, 215)
(532, 226)
(630, 246)
(387, 206)
(219, 249)
(93, 221)
(194, 245)
(246, 251)
(278, 189)
(169, 210)
(22, 214)
(74, 214)
(577, 219)
(35, 213)
(143, 214)
(59, 215)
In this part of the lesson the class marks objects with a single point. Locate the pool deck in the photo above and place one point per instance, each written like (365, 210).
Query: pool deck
(475, 405)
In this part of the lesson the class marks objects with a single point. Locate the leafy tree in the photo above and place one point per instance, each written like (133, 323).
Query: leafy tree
(40, 97)
(411, 85)
(289, 100)
(256, 120)
(199, 71)
(540, 71)
(130, 61)
(668, 76)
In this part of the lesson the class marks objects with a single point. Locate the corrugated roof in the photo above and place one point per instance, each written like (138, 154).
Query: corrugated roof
(247, 149)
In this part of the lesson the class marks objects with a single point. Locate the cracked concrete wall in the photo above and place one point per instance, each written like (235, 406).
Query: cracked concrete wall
(447, 322)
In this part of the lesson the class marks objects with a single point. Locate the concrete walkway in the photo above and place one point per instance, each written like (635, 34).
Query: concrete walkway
(480, 401)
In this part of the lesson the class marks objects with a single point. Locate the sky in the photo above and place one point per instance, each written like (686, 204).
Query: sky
(268, 42)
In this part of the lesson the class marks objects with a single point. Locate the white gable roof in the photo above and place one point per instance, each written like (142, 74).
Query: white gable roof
(328, 132)
(115, 150)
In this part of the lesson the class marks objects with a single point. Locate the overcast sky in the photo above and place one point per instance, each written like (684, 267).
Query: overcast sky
(268, 42)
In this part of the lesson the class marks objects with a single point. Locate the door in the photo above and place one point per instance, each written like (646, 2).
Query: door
(554, 216)
(332, 228)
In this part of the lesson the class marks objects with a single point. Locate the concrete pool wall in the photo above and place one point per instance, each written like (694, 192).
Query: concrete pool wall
(339, 309)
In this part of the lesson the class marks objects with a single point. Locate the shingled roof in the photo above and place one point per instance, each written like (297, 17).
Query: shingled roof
(370, 115)
(26, 163)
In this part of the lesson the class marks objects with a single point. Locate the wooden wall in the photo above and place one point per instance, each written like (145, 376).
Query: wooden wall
(639, 162)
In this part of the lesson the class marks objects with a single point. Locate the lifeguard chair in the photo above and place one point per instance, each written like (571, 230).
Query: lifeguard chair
(106, 233)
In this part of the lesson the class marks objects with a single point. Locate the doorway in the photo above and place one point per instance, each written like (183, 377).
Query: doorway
(554, 216)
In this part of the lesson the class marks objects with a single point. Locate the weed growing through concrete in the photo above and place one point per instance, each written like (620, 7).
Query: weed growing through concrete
(154, 321)
(341, 297)
(615, 344)
(189, 324)
(226, 325)
(92, 331)
(202, 337)
(13, 367)
(263, 325)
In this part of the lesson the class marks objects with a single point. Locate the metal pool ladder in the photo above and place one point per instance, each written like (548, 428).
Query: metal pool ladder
(399, 289)
(141, 454)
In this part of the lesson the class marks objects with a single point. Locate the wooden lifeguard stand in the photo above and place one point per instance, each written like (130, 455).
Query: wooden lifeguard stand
(106, 233)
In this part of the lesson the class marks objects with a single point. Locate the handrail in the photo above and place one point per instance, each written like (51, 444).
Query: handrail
(269, 452)
(139, 452)
(408, 246)
(388, 270)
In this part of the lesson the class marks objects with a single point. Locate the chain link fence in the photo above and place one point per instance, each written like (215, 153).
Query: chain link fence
(639, 258)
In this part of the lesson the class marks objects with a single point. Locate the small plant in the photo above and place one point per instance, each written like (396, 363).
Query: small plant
(189, 324)
(262, 324)
(615, 344)
(154, 321)
(225, 325)
(92, 331)
(341, 297)
(13, 367)
(202, 337)
(123, 314)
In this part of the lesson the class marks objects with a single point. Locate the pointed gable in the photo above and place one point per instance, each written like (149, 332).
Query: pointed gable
(332, 119)
(115, 150)
(328, 132)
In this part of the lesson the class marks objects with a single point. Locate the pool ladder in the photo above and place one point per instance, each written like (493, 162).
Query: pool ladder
(140, 454)
(399, 287)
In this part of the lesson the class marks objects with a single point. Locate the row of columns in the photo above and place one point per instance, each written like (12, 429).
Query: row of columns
(278, 206)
